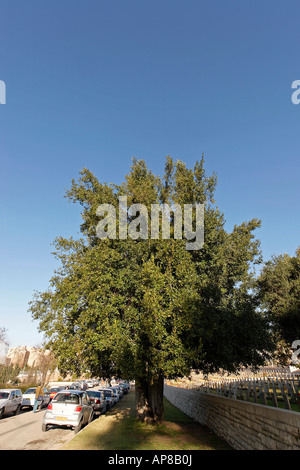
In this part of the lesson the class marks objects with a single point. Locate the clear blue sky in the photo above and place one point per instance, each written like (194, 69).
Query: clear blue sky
(93, 83)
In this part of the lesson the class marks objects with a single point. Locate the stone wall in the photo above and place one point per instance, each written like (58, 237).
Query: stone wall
(245, 426)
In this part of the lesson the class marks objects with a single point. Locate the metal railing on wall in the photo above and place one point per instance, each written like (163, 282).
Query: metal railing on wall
(280, 389)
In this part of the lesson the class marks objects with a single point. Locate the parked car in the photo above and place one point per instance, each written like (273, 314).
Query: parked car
(72, 386)
(10, 401)
(76, 386)
(119, 391)
(69, 408)
(53, 391)
(29, 398)
(122, 387)
(109, 397)
(89, 384)
(98, 401)
(125, 387)
(115, 394)
(83, 385)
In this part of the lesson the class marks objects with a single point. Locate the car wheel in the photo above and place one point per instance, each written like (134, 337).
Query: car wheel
(44, 427)
(78, 427)
(2, 413)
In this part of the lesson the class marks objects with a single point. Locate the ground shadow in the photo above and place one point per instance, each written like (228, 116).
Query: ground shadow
(119, 429)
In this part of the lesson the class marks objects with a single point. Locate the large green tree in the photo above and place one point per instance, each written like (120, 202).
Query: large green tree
(149, 309)
(279, 287)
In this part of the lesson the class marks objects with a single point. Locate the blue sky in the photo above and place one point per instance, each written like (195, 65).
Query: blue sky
(91, 84)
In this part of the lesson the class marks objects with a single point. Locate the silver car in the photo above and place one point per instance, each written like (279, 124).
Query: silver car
(98, 401)
(69, 408)
(119, 390)
(109, 397)
(115, 393)
(10, 401)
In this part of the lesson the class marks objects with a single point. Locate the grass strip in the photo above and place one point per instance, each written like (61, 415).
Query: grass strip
(120, 430)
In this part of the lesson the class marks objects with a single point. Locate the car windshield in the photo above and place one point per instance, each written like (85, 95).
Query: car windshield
(30, 390)
(107, 393)
(54, 390)
(3, 395)
(67, 398)
(94, 394)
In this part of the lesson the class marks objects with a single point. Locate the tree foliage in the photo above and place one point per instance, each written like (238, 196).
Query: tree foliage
(150, 309)
(279, 286)
(8, 374)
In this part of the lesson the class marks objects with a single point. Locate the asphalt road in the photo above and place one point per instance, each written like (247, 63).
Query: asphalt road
(24, 432)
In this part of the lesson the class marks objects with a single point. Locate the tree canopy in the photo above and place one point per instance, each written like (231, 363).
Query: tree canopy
(149, 309)
(279, 289)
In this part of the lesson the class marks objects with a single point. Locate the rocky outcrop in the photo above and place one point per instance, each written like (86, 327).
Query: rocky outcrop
(26, 356)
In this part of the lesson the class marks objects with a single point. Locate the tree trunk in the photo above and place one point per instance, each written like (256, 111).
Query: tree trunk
(149, 400)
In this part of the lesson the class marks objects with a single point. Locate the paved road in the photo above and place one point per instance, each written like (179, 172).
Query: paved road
(24, 432)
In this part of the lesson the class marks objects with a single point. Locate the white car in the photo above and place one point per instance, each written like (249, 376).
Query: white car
(10, 401)
(29, 398)
(69, 408)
